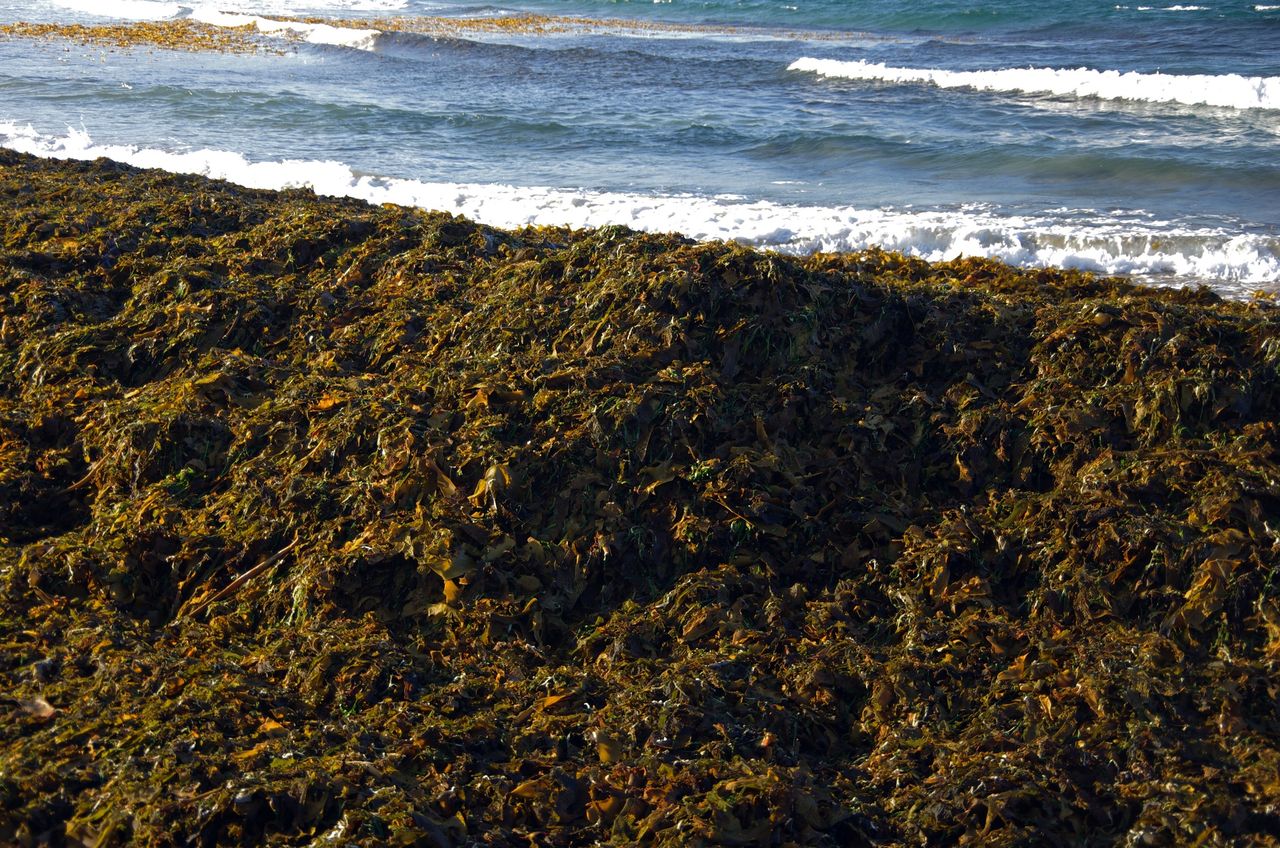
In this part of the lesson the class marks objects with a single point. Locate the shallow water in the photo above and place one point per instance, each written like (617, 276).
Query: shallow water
(1118, 138)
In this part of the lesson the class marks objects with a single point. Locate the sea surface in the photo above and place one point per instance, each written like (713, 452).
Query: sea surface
(1119, 138)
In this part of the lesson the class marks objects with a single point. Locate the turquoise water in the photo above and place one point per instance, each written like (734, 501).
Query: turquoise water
(1113, 137)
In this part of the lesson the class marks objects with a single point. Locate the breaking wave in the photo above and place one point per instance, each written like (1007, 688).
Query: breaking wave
(1231, 262)
(314, 33)
(1225, 90)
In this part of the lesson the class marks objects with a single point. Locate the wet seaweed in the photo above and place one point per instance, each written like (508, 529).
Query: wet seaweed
(323, 523)
(179, 34)
(195, 36)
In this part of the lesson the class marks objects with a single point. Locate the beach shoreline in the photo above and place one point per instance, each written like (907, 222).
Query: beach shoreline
(789, 139)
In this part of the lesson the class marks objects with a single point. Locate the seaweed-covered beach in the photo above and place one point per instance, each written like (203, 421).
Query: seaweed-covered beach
(324, 523)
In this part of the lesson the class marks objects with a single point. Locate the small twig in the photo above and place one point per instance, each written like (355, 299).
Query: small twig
(88, 475)
(235, 585)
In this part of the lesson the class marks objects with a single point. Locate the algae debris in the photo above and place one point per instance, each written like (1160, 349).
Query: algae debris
(332, 524)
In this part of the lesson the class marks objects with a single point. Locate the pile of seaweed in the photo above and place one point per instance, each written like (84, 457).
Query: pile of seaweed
(331, 524)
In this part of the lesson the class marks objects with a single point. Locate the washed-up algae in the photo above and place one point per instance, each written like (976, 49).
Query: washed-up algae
(194, 36)
(333, 524)
(550, 25)
(180, 34)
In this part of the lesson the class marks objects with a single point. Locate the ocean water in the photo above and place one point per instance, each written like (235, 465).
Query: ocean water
(1113, 137)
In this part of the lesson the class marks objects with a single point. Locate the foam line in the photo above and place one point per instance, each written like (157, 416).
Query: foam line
(1232, 262)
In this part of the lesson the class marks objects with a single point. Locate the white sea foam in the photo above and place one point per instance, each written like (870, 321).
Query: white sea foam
(1227, 90)
(132, 10)
(296, 7)
(1231, 261)
(155, 10)
(361, 39)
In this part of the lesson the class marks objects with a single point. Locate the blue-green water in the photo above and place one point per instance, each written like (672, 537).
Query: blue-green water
(1121, 138)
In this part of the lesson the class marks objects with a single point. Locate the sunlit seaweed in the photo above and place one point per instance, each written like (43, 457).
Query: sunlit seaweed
(542, 25)
(169, 35)
(184, 34)
(335, 524)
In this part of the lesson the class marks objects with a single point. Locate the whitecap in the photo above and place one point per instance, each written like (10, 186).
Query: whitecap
(1224, 90)
(360, 39)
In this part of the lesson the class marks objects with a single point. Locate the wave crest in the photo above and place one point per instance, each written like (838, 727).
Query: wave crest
(1225, 90)
(360, 39)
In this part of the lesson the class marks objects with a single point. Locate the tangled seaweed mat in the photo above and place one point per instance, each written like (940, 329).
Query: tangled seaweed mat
(332, 524)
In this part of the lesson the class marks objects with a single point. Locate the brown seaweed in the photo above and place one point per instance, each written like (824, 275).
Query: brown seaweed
(180, 34)
(323, 523)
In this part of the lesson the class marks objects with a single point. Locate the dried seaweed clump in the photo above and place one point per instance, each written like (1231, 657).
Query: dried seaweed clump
(331, 524)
